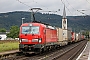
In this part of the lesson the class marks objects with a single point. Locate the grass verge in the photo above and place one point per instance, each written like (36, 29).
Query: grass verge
(9, 46)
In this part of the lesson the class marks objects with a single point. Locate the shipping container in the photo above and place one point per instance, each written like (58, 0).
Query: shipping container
(60, 34)
(60, 42)
(78, 37)
(67, 35)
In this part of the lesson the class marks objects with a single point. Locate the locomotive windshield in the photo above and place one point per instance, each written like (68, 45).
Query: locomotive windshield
(30, 30)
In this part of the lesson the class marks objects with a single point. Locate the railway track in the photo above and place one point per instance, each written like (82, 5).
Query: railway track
(72, 53)
(68, 52)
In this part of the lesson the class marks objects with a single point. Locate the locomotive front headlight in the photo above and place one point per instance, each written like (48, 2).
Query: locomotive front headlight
(40, 40)
(20, 40)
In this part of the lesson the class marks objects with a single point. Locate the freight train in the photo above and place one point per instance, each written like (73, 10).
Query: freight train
(38, 37)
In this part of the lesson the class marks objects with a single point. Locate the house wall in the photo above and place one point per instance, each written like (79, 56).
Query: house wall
(3, 36)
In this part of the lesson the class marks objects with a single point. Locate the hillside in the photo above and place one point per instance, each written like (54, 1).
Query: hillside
(14, 18)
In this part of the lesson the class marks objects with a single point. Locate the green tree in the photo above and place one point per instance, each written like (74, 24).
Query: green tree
(14, 32)
(2, 30)
(86, 33)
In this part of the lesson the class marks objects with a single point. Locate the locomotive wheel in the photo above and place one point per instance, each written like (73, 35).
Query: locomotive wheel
(26, 54)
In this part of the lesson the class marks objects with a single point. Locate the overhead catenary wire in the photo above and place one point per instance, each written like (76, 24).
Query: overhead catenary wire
(88, 1)
(39, 4)
(48, 11)
(80, 11)
(66, 7)
(75, 9)
(31, 7)
(72, 6)
(24, 3)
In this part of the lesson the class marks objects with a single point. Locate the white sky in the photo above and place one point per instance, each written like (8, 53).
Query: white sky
(47, 5)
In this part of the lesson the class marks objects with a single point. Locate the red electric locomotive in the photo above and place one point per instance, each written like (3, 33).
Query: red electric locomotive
(36, 37)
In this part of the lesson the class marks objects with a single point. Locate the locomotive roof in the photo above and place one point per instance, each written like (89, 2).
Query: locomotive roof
(43, 24)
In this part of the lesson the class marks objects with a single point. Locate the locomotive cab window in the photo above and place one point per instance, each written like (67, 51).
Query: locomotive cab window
(30, 30)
